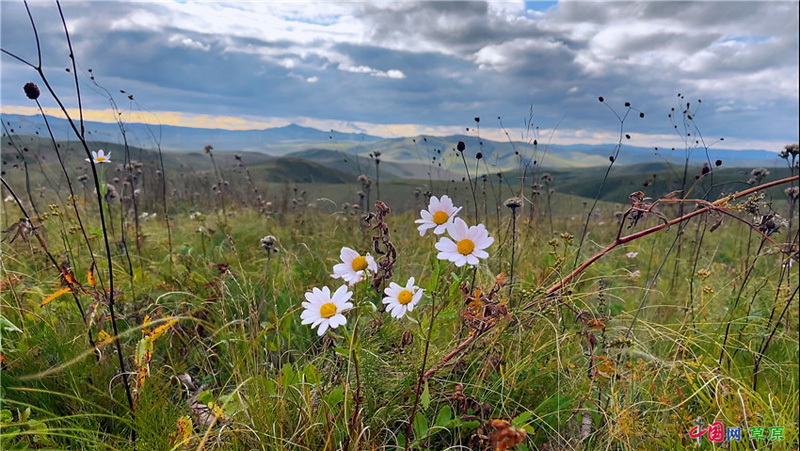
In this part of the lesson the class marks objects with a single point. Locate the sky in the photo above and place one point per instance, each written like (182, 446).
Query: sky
(408, 68)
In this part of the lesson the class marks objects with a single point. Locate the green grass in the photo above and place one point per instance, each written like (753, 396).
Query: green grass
(280, 386)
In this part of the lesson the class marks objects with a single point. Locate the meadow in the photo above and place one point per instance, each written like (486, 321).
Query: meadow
(214, 300)
(697, 320)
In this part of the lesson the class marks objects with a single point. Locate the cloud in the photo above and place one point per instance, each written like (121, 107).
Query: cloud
(434, 63)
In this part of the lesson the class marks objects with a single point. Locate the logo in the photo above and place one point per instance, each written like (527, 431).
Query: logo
(717, 432)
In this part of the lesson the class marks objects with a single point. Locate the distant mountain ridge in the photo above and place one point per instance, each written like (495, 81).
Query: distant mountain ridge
(179, 138)
(406, 156)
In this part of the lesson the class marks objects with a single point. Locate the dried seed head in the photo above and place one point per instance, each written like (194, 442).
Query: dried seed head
(268, 243)
(31, 90)
(513, 203)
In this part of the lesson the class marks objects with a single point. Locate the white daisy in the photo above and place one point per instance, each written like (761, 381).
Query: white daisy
(400, 300)
(353, 266)
(631, 254)
(324, 310)
(468, 246)
(100, 157)
(439, 214)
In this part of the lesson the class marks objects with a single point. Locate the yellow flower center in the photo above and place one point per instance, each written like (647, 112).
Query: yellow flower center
(100, 159)
(359, 263)
(465, 246)
(327, 310)
(440, 217)
(405, 297)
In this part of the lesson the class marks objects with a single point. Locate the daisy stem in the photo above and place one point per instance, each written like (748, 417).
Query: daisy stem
(422, 375)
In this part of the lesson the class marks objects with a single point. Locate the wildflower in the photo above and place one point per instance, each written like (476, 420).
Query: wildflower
(468, 246)
(631, 254)
(757, 175)
(324, 310)
(100, 157)
(31, 90)
(268, 242)
(635, 274)
(400, 300)
(353, 266)
(439, 214)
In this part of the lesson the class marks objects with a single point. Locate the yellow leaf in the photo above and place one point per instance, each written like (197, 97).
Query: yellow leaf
(68, 277)
(55, 295)
(162, 328)
(145, 322)
(184, 432)
(90, 276)
(103, 338)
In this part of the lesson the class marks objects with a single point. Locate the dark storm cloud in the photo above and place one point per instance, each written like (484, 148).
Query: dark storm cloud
(437, 63)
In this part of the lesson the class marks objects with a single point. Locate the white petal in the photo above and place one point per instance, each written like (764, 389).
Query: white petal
(446, 204)
(484, 243)
(457, 229)
(446, 245)
(341, 294)
(347, 255)
(371, 263)
(322, 328)
(426, 216)
(424, 227)
(480, 253)
(459, 260)
(338, 320)
(472, 260)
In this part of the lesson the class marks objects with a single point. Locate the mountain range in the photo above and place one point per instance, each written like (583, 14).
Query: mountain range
(410, 157)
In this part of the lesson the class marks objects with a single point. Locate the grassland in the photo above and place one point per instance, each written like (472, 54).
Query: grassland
(626, 355)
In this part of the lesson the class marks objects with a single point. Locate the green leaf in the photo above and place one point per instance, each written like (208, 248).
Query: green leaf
(7, 326)
(426, 397)
(310, 372)
(521, 419)
(25, 415)
(470, 424)
(335, 396)
(6, 416)
(205, 397)
(288, 375)
(271, 388)
(420, 426)
(444, 416)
